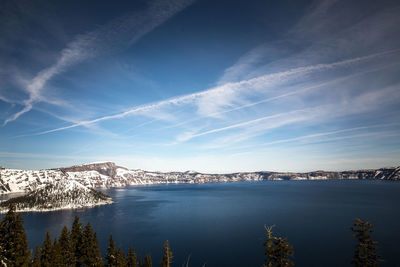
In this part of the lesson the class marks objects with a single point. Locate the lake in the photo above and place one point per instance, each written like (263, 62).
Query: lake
(222, 224)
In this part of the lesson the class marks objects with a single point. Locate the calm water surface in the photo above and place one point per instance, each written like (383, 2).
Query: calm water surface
(222, 224)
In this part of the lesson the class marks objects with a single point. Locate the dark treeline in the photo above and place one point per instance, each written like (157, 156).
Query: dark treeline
(76, 247)
(79, 247)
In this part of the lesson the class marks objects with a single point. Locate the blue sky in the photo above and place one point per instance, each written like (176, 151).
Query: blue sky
(212, 86)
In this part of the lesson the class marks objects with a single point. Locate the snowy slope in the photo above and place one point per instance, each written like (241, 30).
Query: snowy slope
(62, 194)
(108, 174)
(13, 181)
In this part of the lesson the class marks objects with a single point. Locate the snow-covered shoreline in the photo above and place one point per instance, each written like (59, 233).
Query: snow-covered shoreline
(68, 207)
(59, 195)
(109, 175)
(74, 187)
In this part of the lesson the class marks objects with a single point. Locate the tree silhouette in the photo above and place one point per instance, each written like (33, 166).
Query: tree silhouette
(131, 258)
(13, 244)
(111, 257)
(45, 252)
(140, 262)
(89, 249)
(76, 239)
(56, 259)
(167, 256)
(120, 258)
(147, 261)
(66, 247)
(277, 250)
(36, 258)
(365, 254)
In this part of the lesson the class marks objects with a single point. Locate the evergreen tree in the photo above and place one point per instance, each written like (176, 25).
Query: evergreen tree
(147, 261)
(167, 256)
(76, 239)
(96, 251)
(45, 252)
(89, 249)
(66, 247)
(365, 254)
(55, 256)
(36, 257)
(111, 257)
(13, 244)
(120, 259)
(282, 252)
(140, 262)
(131, 258)
(268, 247)
(277, 250)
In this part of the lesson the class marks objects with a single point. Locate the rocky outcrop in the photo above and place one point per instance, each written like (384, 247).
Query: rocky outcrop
(104, 168)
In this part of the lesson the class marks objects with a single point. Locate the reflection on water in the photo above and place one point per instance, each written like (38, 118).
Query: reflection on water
(222, 224)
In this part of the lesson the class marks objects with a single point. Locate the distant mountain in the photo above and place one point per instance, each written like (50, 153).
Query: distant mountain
(108, 174)
(61, 194)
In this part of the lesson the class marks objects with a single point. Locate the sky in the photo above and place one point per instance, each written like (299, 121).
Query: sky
(205, 85)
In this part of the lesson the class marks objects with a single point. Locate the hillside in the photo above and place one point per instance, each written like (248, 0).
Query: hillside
(62, 194)
(108, 174)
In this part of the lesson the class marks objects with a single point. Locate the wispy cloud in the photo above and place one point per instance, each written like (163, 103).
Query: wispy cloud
(364, 103)
(213, 102)
(5, 99)
(116, 35)
(298, 90)
(323, 134)
(211, 96)
(279, 120)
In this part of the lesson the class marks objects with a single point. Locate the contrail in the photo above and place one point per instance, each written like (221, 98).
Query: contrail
(110, 38)
(321, 134)
(269, 99)
(250, 122)
(241, 85)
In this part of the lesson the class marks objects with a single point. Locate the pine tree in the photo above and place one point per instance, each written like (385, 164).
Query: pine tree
(68, 251)
(55, 256)
(89, 249)
(36, 258)
(365, 254)
(76, 239)
(282, 252)
(13, 244)
(140, 262)
(45, 252)
(147, 261)
(120, 259)
(96, 251)
(111, 257)
(131, 258)
(167, 256)
(277, 250)
(268, 247)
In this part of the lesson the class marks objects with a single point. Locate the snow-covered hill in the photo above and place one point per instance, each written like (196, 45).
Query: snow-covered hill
(108, 174)
(61, 194)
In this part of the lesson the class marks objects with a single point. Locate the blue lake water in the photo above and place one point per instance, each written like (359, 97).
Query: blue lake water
(222, 224)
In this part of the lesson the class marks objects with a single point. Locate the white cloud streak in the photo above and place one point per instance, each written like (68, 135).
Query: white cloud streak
(363, 103)
(114, 36)
(220, 91)
(284, 118)
(322, 134)
(273, 98)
